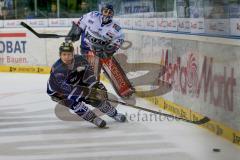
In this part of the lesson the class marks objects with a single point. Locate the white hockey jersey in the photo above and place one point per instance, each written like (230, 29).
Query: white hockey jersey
(97, 36)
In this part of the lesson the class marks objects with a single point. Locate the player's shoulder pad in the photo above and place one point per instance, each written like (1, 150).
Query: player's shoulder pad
(95, 14)
(116, 26)
(89, 15)
(57, 66)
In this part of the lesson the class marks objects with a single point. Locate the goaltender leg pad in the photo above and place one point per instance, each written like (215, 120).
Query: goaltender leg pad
(117, 77)
(113, 72)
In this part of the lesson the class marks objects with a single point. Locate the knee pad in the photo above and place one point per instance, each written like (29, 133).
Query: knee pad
(80, 108)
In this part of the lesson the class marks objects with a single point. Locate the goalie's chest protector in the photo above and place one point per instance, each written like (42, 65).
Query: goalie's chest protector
(97, 35)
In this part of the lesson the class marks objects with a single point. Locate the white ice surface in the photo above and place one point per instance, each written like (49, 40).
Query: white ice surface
(31, 130)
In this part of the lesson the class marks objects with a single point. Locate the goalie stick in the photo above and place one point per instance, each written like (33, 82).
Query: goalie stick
(41, 35)
(99, 93)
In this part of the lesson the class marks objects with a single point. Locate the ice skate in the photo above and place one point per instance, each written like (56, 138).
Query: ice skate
(99, 122)
(119, 117)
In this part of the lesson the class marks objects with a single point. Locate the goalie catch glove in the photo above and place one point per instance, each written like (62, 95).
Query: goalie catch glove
(109, 49)
(74, 33)
(107, 52)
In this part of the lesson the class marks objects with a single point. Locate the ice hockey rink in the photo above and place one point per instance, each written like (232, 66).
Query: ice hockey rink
(30, 129)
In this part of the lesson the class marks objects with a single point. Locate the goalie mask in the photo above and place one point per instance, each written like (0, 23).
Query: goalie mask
(107, 13)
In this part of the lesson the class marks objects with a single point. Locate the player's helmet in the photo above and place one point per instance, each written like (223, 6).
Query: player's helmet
(107, 12)
(66, 47)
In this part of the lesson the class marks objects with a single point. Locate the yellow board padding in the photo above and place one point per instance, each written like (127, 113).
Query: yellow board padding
(26, 69)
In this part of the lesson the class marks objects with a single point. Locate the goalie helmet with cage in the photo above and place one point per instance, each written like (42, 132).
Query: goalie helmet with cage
(66, 47)
(107, 13)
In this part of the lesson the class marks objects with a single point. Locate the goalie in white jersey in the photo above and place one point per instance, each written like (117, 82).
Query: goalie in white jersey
(101, 36)
(99, 32)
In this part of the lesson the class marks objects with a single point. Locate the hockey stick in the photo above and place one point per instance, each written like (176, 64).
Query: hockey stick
(41, 35)
(98, 94)
(198, 122)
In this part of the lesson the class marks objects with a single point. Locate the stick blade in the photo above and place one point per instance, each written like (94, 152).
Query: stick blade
(41, 35)
(29, 28)
(23, 24)
(202, 121)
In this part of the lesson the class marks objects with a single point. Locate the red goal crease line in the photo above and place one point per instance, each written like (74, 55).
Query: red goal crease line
(12, 34)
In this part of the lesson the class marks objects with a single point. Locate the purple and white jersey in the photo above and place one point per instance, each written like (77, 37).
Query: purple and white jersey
(97, 36)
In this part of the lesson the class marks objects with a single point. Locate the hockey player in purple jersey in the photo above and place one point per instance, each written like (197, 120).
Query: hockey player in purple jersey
(65, 85)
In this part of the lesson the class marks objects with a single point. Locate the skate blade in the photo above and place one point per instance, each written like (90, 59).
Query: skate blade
(106, 127)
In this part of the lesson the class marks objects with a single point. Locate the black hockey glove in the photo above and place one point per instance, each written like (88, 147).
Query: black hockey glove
(97, 92)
